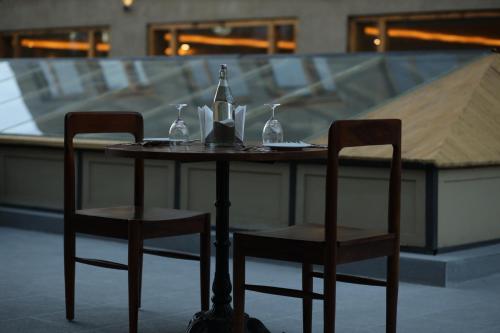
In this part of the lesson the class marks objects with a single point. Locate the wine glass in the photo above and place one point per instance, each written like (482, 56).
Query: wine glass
(178, 130)
(272, 131)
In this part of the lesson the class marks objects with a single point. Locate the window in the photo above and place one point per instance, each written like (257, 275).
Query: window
(232, 37)
(434, 31)
(55, 43)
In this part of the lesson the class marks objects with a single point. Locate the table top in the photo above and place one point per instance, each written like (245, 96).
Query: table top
(198, 152)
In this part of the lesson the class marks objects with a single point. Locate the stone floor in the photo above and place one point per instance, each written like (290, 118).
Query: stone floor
(32, 295)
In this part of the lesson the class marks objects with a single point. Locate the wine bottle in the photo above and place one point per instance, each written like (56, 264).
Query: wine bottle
(223, 108)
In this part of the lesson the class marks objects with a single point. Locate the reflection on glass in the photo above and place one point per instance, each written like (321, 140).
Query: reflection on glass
(289, 72)
(324, 73)
(316, 89)
(114, 74)
(15, 117)
(48, 75)
(140, 73)
(68, 78)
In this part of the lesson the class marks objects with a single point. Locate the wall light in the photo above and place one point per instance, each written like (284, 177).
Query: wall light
(127, 4)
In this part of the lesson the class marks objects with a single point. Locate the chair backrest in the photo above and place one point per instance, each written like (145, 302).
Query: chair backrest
(357, 133)
(99, 122)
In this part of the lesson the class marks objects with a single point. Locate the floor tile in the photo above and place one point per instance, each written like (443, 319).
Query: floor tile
(32, 295)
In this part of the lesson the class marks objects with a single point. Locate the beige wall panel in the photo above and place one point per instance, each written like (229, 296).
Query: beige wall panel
(109, 181)
(258, 192)
(31, 177)
(468, 206)
(363, 199)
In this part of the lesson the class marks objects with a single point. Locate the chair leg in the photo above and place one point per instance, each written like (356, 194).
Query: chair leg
(141, 255)
(133, 275)
(205, 266)
(69, 271)
(329, 289)
(238, 289)
(307, 287)
(392, 292)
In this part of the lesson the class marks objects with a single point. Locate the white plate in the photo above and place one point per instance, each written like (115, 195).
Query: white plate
(288, 145)
(158, 139)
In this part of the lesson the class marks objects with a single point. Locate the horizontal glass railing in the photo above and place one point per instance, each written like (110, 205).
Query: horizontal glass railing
(314, 90)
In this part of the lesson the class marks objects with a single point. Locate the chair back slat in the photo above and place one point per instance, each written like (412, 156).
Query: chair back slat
(103, 122)
(356, 133)
(99, 122)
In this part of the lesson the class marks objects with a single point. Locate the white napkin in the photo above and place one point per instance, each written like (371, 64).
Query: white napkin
(206, 116)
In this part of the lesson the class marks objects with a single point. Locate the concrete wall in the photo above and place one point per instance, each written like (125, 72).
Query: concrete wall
(109, 182)
(467, 199)
(363, 199)
(468, 206)
(259, 192)
(31, 177)
(322, 23)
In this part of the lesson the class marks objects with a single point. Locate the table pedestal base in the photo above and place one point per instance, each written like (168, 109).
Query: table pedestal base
(207, 322)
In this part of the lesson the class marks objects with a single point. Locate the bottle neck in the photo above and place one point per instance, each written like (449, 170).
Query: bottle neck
(223, 92)
(223, 77)
(223, 72)
(223, 82)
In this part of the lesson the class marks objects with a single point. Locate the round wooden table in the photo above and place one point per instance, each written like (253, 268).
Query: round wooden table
(218, 318)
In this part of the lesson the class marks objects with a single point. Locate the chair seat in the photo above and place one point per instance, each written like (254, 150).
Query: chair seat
(145, 214)
(316, 233)
(306, 243)
(156, 222)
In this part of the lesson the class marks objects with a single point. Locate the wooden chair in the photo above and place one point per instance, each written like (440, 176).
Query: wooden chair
(329, 244)
(133, 223)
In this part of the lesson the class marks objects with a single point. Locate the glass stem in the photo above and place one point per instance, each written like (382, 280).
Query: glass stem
(272, 113)
(179, 114)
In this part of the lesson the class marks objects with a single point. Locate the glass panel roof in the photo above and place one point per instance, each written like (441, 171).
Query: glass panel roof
(314, 90)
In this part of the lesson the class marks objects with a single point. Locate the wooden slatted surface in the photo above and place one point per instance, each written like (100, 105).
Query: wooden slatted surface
(451, 122)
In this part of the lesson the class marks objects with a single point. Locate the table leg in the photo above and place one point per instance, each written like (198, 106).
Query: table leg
(219, 318)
